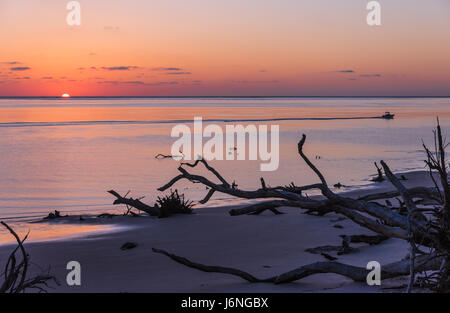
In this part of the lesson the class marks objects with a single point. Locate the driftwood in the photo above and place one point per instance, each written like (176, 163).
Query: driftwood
(416, 192)
(357, 210)
(165, 206)
(15, 273)
(206, 268)
(345, 247)
(379, 177)
(371, 240)
(135, 203)
(258, 208)
(436, 161)
(355, 273)
(160, 156)
(407, 222)
(55, 215)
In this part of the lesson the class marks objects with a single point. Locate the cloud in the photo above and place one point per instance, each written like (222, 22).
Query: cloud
(263, 71)
(137, 83)
(47, 77)
(134, 82)
(166, 69)
(345, 71)
(179, 73)
(109, 82)
(162, 83)
(120, 68)
(165, 83)
(370, 75)
(275, 81)
(11, 63)
(23, 68)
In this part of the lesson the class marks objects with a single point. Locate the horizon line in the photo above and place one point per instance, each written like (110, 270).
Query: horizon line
(206, 97)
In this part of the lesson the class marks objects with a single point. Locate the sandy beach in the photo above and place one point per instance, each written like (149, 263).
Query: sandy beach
(263, 245)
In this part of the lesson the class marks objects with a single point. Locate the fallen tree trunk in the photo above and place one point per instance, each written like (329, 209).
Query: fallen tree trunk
(136, 203)
(408, 222)
(355, 273)
(258, 208)
(365, 213)
(416, 192)
(207, 268)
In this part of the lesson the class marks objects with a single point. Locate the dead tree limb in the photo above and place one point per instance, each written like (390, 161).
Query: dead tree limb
(408, 223)
(413, 211)
(416, 192)
(136, 203)
(371, 240)
(349, 207)
(226, 188)
(15, 273)
(319, 207)
(364, 213)
(355, 273)
(209, 168)
(412, 226)
(207, 268)
(436, 161)
(160, 156)
(399, 186)
(379, 177)
(260, 207)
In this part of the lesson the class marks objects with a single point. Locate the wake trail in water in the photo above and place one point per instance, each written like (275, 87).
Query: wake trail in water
(217, 120)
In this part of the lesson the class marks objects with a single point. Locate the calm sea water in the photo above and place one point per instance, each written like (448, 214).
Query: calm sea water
(65, 154)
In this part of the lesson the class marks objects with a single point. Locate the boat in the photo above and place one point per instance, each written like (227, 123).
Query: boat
(388, 116)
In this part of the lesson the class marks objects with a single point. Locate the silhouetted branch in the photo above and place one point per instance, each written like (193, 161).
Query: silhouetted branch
(353, 272)
(15, 272)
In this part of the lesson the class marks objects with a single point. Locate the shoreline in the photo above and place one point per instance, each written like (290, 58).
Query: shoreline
(263, 245)
(116, 224)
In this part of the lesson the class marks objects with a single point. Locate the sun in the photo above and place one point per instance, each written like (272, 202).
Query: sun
(65, 95)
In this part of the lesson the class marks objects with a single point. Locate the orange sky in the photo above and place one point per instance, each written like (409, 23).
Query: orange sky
(215, 47)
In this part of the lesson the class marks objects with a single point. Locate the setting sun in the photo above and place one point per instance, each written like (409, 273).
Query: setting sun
(65, 95)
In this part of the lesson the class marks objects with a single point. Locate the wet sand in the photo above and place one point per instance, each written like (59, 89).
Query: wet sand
(263, 245)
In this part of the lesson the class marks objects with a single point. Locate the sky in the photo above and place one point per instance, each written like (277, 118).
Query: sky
(225, 48)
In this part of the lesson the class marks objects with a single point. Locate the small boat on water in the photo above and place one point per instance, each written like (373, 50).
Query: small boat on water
(388, 116)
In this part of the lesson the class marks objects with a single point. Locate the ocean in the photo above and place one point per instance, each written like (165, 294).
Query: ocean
(64, 154)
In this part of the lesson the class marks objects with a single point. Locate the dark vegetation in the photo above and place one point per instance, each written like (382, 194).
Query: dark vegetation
(15, 275)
